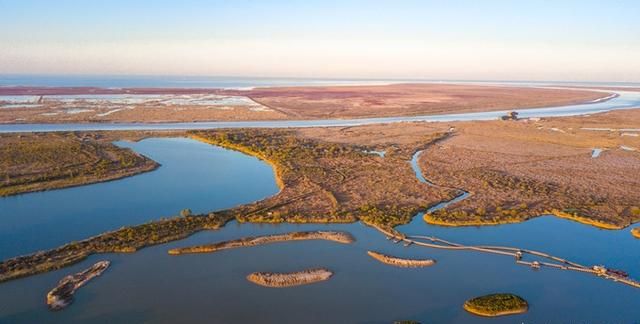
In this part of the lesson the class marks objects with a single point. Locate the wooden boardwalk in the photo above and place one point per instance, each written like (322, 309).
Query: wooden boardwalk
(516, 253)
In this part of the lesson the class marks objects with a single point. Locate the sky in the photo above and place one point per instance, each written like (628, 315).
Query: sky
(567, 40)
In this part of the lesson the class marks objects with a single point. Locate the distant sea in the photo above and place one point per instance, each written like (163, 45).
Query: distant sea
(120, 81)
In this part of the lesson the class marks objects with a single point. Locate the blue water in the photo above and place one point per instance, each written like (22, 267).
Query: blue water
(192, 175)
(152, 287)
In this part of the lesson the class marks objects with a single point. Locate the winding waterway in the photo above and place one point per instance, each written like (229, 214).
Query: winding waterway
(625, 100)
(152, 286)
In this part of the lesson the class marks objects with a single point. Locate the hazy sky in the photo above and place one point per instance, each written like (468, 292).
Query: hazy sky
(475, 39)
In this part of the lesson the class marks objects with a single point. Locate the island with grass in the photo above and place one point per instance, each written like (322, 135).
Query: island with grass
(496, 305)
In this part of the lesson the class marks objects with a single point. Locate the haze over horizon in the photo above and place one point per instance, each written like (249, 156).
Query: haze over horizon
(471, 40)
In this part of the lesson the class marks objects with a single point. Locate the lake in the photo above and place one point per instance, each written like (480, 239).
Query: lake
(152, 286)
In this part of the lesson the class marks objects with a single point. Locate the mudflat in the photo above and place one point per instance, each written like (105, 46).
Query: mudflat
(154, 105)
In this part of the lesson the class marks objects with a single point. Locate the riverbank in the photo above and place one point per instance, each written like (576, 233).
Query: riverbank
(398, 262)
(283, 280)
(339, 237)
(434, 220)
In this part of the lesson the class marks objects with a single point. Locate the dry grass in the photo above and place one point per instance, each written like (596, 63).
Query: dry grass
(34, 162)
(518, 170)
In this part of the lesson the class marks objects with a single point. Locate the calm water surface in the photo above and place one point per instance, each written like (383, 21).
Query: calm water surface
(152, 287)
(192, 175)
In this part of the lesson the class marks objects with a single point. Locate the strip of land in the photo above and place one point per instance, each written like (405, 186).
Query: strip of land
(282, 280)
(399, 262)
(340, 237)
(149, 105)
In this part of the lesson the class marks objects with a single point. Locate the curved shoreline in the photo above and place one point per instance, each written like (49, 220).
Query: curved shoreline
(291, 279)
(339, 237)
(399, 262)
(429, 219)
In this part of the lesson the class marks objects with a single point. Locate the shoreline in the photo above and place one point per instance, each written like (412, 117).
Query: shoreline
(429, 219)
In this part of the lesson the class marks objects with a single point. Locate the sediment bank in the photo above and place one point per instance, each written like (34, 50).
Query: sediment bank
(281, 280)
(62, 295)
(399, 262)
(340, 237)
(636, 232)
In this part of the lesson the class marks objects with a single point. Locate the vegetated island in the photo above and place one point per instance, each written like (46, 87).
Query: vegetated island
(292, 279)
(636, 232)
(35, 162)
(340, 237)
(62, 295)
(399, 262)
(496, 305)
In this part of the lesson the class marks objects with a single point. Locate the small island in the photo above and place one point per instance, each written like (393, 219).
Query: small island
(62, 295)
(496, 305)
(636, 232)
(403, 263)
(281, 280)
(340, 237)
